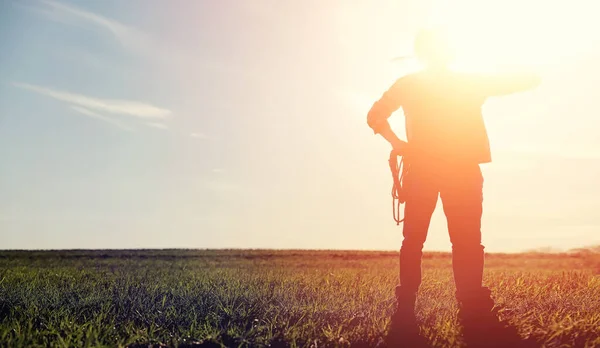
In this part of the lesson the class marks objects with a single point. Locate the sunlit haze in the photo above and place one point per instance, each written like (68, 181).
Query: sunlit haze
(242, 124)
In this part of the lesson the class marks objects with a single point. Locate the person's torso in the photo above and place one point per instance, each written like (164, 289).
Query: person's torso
(443, 118)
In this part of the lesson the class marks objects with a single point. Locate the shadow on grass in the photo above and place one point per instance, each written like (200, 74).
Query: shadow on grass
(397, 339)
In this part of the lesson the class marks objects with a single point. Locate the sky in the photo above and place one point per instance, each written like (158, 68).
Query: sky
(242, 124)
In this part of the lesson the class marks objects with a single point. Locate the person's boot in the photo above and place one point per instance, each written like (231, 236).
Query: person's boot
(404, 330)
(478, 316)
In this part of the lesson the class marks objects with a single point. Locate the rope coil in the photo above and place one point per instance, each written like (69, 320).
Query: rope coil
(398, 198)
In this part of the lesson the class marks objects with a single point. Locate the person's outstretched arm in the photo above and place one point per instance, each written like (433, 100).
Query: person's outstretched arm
(377, 118)
(503, 84)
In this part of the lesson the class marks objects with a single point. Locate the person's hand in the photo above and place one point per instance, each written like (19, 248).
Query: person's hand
(399, 147)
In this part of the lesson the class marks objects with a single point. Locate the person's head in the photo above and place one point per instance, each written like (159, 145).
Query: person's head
(433, 49)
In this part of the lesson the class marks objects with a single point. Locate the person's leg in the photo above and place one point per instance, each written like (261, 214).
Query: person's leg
(421, 198)
(462, 198)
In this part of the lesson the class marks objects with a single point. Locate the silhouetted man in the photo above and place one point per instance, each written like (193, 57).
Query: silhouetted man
(447, 141)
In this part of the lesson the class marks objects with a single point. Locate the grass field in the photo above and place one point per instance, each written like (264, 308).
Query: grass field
(254, 298)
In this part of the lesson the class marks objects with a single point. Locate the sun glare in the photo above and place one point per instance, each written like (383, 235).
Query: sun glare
(490, 35)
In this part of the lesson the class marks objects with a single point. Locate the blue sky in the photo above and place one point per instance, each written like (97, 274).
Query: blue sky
(202, 124)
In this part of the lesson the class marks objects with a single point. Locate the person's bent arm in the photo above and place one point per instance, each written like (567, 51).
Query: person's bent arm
(377, 118)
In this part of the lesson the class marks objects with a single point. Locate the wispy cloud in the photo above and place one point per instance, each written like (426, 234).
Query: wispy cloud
(97, 116)
(157, 125)
(126, 35)
(135, 40)
(114, 106)
(131, 38)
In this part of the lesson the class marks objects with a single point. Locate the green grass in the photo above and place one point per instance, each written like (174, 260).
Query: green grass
(246, 298)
